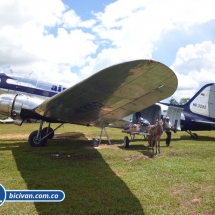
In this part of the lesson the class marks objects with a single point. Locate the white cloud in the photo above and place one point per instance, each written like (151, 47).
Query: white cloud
(195, 56)
(17, 13)
(133, 30)
(72, 20)
(26, 45)
(195, 67)
(50, 38)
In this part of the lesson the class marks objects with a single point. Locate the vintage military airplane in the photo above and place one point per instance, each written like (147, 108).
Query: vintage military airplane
(198, 114)
(103, 98)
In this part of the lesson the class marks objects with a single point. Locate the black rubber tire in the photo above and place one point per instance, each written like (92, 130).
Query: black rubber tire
(32, 140)
(126, 142)
(45, 130)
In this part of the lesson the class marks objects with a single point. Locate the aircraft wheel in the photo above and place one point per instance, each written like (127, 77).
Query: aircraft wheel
(194, 136)
(34, 142)
(46, 130)
(126, 142)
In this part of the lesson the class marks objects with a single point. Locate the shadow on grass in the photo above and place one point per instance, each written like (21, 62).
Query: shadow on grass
(140, 145)
(200, 138)
(89, 184)
(182, 137)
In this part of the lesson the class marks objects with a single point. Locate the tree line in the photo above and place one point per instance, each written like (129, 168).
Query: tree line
(181, 102)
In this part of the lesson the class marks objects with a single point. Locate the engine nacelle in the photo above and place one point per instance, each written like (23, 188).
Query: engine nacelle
(11, 105)
(6, 103)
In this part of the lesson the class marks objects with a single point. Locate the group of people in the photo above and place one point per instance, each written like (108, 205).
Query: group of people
(167, 127)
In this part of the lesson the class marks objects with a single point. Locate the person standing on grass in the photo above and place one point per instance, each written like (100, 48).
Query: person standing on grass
(167, 128)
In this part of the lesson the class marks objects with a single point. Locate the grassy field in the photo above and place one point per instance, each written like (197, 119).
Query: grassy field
(109, 179)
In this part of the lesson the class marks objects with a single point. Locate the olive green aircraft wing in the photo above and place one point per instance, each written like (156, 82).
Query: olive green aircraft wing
(111, 94)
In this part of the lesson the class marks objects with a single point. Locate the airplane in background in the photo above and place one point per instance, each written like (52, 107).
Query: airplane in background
(4, 121)
(198, 114)
(103, 98)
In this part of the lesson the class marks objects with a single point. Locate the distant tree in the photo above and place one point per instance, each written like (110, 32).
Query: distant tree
(184, 100)
(173, 101)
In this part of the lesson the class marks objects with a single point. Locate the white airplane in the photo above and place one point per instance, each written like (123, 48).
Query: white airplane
(198, 114)
(8, 120)
(103, 98)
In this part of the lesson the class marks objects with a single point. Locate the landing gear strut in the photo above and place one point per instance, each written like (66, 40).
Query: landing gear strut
(103, 129)
(193, 135)
(48, 130)
(39, 137)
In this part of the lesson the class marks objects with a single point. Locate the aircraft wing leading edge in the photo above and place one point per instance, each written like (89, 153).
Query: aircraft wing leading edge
(112, 94)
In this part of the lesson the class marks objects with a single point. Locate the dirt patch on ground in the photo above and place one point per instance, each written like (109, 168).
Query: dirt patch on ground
(186, 197)
(71, 135)
(107, 146)
(66, 135)
(137, 157)
(14, 136)
(71, 157)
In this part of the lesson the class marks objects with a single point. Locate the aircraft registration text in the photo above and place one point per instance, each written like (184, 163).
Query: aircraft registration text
(199, 105)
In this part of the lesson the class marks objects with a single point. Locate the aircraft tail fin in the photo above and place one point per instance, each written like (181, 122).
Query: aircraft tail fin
(203, 102)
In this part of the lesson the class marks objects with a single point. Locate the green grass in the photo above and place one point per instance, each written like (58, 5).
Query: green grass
(109, 179)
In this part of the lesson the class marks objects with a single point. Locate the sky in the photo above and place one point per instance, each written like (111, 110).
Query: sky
(69, 40)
